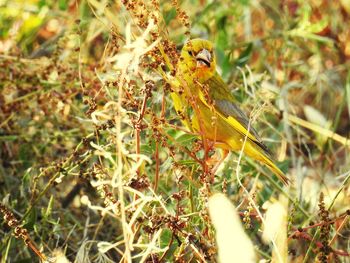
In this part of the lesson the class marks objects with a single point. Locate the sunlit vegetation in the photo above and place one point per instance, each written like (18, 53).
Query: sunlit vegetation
(96, 165)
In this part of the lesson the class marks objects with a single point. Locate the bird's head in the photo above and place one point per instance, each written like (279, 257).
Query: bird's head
(198, 59)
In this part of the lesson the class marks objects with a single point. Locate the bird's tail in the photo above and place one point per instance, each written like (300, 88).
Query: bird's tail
(270, 164)
(257, 152)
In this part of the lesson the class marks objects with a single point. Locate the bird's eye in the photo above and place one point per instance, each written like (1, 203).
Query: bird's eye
(190, 52)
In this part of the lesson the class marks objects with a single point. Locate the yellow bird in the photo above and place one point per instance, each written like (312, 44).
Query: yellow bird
(216, 116)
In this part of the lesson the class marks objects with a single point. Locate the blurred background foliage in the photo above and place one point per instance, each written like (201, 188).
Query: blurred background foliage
(57, 73)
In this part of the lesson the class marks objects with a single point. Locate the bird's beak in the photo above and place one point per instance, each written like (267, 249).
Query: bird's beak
(203, 58)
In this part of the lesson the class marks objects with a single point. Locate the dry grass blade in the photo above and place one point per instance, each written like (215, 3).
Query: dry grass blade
(311, 126)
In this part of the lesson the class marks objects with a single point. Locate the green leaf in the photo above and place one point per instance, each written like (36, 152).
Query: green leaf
(222, 40)
(170, 15)
(147, 149)
(62, 5)
(25, 182)
(245, 56)
(185, 138)
(31, 219)
(48, 211)
(165, 238)
(221, 23)
(347, 90)
(187, 162)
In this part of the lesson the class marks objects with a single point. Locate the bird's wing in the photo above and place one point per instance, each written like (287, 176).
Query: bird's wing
(224, 103)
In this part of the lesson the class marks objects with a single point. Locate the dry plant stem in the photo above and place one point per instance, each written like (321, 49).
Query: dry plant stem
(344, 183)
(194, 105)
(138, 124)
(341, 217)
(31, 245)
(199, 255)
(307, 236)
(342, 225)
(304, 235)
(19, 231)
(50, 183)
(194, 157)
(169, 245)
(330, 134)
(119, 170)
(156, 157)
(156, 154)
(152, 244)
(248, 194)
